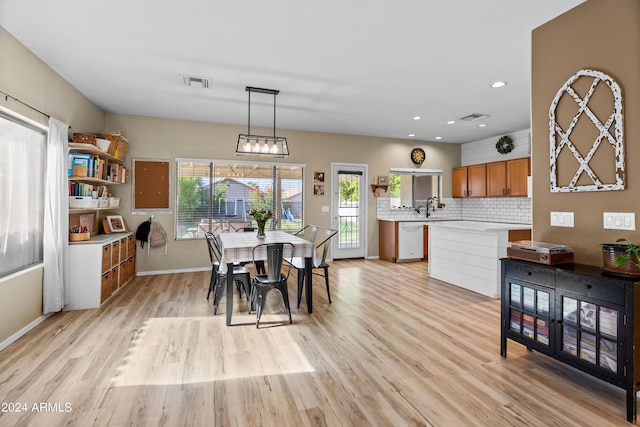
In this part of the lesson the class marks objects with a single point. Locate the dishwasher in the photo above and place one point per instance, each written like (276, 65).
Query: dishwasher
(410, 240)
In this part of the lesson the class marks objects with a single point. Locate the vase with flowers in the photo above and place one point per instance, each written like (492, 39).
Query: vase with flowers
(261, 216)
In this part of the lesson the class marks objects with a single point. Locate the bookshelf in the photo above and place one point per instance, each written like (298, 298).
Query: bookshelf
(92, 170)
(103, 264)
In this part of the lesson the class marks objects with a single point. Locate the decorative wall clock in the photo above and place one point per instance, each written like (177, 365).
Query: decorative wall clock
(417, 156)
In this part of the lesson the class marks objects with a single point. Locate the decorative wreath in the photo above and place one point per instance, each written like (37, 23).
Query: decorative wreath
(504, 145)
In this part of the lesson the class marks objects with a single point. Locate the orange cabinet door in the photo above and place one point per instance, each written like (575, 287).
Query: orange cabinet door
(459, 182)
(517, 173)
(497, 179)
(477, 181)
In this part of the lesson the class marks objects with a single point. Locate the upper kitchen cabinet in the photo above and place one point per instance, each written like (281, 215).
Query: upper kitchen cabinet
(517, 172)
(470, 181)
(507, 178)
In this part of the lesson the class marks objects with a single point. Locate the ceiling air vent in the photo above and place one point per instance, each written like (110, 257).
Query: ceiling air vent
(473, 117)
(204, 82)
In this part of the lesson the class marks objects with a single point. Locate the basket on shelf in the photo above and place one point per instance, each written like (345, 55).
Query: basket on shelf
(79, 237)
(84, 138)
(118, 146)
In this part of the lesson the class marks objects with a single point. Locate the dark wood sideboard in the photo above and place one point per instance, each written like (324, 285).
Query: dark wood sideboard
(578, 315)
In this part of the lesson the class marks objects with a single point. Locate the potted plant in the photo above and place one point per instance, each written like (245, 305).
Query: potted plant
(622, 257)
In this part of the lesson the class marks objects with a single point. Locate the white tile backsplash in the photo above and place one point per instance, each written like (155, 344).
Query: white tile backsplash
(498, 209)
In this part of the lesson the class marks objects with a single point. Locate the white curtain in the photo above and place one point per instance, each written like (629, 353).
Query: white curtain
(56, 220)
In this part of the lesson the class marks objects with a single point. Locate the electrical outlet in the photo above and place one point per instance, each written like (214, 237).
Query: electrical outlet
(562, 219)
(619, 220)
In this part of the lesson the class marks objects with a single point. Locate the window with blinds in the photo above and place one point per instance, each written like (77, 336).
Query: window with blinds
(216, 195)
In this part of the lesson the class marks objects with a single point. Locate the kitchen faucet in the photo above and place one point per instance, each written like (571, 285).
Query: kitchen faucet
(431, 201)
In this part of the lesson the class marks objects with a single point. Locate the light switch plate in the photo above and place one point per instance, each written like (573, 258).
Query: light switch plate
(562, 219)
(325, 209)
(619, 220)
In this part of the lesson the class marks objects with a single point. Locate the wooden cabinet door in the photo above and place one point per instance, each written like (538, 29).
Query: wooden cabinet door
(460, 182)
(388, 240)
(425, 241)
(477, 181)
(497, 179)
(106, 258)
(517, 173)
(105, 286)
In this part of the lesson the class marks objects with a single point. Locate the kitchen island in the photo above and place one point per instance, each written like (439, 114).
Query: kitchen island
(467, 253)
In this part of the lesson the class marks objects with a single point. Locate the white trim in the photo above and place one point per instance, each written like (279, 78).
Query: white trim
(21, 272)
(24, 118)
(6, 343)
(238, 162)
(173, 271)
(410, 171)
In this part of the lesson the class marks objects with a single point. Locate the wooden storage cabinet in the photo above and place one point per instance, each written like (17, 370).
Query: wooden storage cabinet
(470, 181)
(99, 267)
(576, 314)
(497, 179)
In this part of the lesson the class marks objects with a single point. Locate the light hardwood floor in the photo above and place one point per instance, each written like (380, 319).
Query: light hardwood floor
(394, 348)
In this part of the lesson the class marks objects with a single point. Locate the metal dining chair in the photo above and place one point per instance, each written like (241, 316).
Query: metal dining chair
(218, 280)
(321, 238)
(274, 278)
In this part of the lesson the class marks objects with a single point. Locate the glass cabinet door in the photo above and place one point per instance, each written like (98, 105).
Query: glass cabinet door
(590, 332)
(529, 311)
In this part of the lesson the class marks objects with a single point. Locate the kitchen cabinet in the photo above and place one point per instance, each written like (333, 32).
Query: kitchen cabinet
(100, 267)
(470, 181)
(508, 178)
(501, 179)
(575, 314)
(517, 172)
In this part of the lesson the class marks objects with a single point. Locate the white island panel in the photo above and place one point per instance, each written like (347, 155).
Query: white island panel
(467, 253)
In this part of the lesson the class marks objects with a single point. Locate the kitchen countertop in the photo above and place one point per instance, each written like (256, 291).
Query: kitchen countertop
(481, 225)
(465, 223)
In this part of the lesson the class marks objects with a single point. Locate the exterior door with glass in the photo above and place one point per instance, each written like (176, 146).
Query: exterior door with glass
(349, 210)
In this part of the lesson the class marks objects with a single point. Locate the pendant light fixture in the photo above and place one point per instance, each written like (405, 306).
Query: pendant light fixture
(260, 145)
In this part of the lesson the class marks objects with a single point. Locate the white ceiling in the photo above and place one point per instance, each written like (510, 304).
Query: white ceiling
(363, 67)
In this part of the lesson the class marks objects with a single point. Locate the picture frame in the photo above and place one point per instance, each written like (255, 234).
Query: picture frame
(86, 222)
(382, 180)
(318, 190)
(318, 177)
(116, 224)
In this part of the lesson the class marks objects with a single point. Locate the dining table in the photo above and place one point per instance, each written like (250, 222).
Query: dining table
(238, 248)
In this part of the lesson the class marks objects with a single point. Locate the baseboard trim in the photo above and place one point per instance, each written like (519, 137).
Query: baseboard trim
(6, 343)
(174, 271)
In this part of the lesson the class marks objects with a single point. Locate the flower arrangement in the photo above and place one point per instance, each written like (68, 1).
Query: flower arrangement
(261, 214)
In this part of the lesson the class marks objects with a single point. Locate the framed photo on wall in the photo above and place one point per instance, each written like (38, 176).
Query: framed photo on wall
(318, 190)
(318, 177)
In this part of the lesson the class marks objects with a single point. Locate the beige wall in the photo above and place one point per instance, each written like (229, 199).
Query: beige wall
(152, 138)
(602, 35)
(24, 76)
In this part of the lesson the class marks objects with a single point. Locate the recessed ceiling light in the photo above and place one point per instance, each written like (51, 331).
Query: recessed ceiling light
(450, 122)
(417, 118)
(411, 135)
(499, 84)
(438, 137)
(482, 125)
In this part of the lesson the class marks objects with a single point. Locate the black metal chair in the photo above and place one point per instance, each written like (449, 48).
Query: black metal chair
(321, 238)
(219, 280)
(274, 277)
